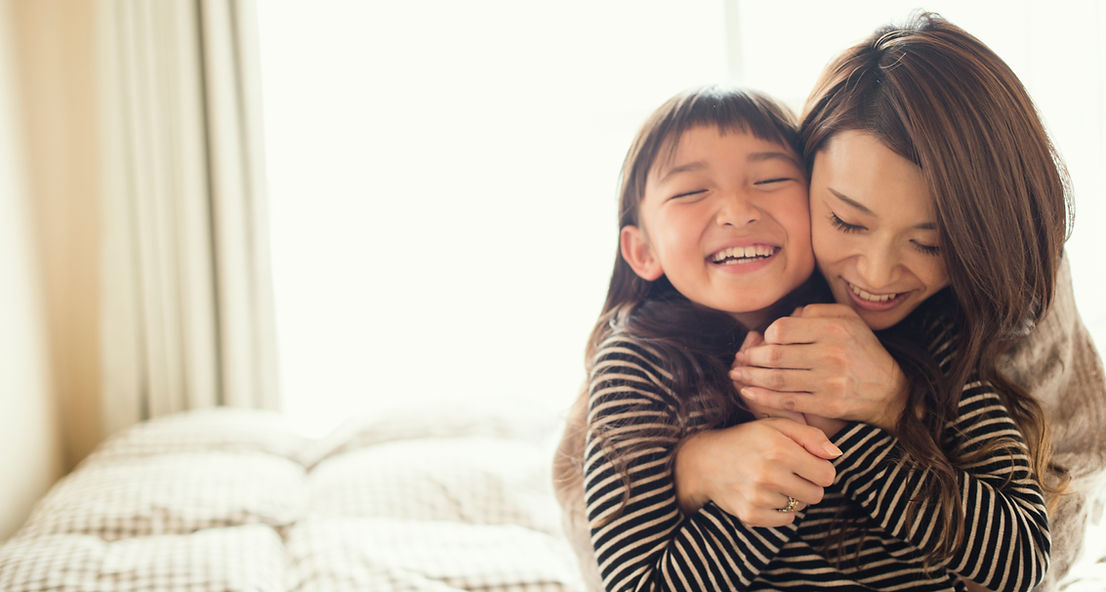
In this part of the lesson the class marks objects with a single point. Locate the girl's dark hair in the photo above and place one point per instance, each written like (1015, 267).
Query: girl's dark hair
(943, 100)
(695, 345)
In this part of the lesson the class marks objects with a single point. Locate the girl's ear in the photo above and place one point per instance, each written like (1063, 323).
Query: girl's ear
(637, 252)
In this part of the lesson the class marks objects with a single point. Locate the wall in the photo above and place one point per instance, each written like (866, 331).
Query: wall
(29, 434)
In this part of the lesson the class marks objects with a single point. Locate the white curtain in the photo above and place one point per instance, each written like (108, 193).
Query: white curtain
(187, 304)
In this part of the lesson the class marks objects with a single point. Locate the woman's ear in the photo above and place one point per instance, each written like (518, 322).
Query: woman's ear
(638, 254)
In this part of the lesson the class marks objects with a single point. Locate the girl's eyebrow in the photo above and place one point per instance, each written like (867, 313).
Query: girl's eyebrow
(754, 157)
(683, 168)
(771, 155)
(864, 210)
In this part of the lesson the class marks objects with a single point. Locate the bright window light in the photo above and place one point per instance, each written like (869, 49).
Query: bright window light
(442, 174)
(442, 177)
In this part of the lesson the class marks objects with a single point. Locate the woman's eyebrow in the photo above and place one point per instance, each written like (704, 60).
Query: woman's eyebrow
(852, 202)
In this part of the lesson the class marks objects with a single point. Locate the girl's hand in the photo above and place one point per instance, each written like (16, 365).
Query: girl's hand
(823, 361)
(750, 469)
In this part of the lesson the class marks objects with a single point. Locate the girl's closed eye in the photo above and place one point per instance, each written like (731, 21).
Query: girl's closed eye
(844, 226)
(772, 181)
(692, 195)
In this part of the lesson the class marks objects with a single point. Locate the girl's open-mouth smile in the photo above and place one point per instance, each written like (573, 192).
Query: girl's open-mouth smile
(743, 256)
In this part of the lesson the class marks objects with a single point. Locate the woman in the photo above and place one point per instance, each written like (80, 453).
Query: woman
(923, 91)
(1012, 161)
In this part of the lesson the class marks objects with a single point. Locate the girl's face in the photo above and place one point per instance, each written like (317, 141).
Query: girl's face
(874, 228)
(726, 220)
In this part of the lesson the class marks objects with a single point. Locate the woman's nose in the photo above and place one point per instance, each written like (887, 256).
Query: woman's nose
(877, 268)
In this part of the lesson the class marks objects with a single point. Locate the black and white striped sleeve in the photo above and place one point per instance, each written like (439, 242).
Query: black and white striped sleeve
(646, 543)
(1006, 537)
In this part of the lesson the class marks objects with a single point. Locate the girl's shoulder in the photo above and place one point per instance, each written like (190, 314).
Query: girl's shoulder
(626, 358)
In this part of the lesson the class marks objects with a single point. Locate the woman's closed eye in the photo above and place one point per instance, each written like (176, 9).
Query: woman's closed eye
(926, 249)
(844, 226)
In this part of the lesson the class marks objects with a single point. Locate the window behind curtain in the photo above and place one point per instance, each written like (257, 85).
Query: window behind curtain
(443, 177)
(443, 174)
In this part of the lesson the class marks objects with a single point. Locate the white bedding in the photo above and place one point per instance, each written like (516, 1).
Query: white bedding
(229, 499)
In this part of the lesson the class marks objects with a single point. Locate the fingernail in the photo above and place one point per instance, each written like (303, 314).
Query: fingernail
(832, 450)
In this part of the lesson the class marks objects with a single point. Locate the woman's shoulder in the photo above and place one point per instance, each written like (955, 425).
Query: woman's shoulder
(1057, 358)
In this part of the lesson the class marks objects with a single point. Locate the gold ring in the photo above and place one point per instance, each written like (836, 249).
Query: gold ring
(790, 507)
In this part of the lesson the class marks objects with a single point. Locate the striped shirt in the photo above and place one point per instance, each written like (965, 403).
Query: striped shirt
(648, 544)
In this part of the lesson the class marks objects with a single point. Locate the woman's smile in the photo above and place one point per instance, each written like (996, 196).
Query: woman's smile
(879, 302)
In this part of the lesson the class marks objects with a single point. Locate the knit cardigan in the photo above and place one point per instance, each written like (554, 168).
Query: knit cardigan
(1057, 363)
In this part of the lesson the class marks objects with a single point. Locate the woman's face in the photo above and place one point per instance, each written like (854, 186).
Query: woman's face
(726, 220)
(874, 229)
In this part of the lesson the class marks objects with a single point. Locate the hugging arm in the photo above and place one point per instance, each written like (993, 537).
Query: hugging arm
(1005, 538)
(817, 365)
(641, 538)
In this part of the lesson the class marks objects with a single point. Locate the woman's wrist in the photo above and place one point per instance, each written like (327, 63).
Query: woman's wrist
(896, 404)
(690, 492)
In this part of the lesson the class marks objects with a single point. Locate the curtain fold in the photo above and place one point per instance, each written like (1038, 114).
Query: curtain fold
(187, 299)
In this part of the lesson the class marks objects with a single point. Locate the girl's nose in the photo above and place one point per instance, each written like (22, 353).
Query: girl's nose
(736, 210)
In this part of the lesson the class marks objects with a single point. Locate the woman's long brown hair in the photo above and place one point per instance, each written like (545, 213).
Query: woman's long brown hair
(940, 98)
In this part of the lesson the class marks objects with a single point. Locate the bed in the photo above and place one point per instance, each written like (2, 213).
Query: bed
(228, 499)
(232, 499)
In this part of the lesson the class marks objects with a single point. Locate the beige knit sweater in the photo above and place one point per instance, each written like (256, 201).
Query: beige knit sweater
(1057, 363)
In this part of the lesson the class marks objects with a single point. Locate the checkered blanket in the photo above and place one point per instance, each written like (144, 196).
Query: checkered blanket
(229, 499)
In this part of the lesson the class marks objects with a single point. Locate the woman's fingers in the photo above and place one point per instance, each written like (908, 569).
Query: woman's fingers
(763, 412)
(749, 469)
(776, 379)
(826, 311)
(811, 441)
(795, 356)
(766, 518)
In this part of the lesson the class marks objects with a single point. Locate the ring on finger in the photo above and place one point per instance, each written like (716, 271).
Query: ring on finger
(792, 503)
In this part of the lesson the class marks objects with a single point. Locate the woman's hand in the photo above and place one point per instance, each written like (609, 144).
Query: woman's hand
(753, 339)
(823, 361)
(750, 469)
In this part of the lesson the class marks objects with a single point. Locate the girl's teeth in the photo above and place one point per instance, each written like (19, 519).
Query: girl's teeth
(864, 295)
(749, 252)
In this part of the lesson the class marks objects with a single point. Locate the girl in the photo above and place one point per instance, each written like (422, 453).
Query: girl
(708, 244)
